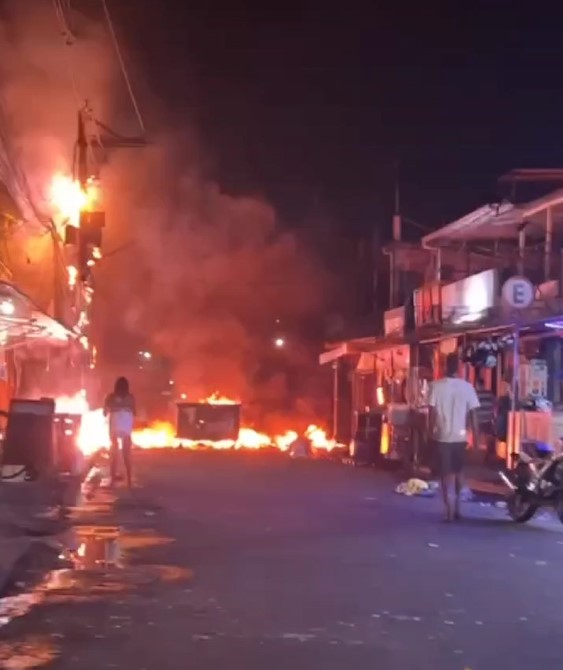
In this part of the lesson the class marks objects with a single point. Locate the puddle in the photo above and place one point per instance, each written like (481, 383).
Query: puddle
(12, 607)
(93, 567)
(99, 547)
(104, 547)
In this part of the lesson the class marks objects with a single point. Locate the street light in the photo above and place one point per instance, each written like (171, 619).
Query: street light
(279, 342)
(7, 307)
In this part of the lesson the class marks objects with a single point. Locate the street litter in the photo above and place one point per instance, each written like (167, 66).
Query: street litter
(420, 488)
(417, 487)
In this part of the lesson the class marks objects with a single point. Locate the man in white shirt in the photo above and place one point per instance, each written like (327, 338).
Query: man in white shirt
(453, 403)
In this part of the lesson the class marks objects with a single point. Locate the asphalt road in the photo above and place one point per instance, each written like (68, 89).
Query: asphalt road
(302, 565)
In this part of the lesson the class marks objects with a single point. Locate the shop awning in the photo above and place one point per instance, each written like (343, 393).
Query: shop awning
(347, 348)
(501, 221)
(361, 346)
(22, 321)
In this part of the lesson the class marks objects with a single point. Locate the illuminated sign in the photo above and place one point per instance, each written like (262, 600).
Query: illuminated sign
(518, 292)
(469, 299)
(394, 321)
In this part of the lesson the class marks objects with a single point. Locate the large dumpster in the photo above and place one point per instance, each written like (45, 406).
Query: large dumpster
(206, 422)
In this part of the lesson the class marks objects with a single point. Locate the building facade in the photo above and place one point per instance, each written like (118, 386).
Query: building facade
(445, 294)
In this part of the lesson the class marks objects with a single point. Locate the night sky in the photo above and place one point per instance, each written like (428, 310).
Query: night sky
(311, 104)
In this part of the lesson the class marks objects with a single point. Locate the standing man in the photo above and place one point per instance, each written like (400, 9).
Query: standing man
(453, 403)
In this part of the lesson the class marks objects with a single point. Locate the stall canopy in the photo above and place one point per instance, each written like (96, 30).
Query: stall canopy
(500, 221)
(348, 348)
(364, 346)
(21, 321)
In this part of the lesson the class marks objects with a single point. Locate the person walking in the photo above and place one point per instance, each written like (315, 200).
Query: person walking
(120, 409)
(453, 404)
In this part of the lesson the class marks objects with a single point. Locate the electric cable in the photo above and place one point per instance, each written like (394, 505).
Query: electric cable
(122, 65)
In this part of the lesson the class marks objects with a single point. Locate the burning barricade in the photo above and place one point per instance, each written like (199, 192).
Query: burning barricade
(212, 423)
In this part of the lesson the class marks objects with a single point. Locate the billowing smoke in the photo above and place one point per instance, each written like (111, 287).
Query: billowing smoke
(45, 74)
(194, 275)
(202, 278)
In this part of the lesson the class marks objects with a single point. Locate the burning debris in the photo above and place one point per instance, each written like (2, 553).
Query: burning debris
(94, 431)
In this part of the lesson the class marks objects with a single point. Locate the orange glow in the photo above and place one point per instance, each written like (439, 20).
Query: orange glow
(380, 396)
(283, 442)
(318, 438)
(217, 399)
(69, 199)
(385, 438)
(72, 275)
(94, 432)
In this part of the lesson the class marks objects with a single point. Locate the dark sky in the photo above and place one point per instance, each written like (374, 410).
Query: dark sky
(305, 102)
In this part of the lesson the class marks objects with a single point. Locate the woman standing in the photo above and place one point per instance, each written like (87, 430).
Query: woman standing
(120, 409)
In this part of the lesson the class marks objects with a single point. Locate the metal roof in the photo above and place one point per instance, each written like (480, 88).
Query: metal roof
(28, 322)
(500, 221)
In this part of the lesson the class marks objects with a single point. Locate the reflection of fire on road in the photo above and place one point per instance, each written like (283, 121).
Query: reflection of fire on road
(94, 433)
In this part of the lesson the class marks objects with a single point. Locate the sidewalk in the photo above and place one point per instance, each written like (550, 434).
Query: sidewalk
(12, 551)
(29, 517)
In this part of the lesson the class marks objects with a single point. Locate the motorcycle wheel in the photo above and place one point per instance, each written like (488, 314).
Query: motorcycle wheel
(520, 509)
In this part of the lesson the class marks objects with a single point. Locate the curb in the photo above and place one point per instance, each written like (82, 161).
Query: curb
(29, 566)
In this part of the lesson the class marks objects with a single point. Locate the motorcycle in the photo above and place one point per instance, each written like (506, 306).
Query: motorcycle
(535, 481)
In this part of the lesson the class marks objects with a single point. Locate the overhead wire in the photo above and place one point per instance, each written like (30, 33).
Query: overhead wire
(122, 65)
(68, 41)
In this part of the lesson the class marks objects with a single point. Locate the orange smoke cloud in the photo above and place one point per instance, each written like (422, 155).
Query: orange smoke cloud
(203, 275)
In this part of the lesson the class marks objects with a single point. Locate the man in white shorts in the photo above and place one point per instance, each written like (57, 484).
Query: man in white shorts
(453, 403)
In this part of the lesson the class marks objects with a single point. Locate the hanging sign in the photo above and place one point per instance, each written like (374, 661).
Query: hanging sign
(394, 321)
(518, 292)
(468, 300)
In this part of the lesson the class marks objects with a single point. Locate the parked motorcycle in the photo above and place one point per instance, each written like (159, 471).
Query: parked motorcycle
(535, 481)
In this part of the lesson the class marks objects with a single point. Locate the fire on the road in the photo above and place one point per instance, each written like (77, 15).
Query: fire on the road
(68, 198)
(94, 432)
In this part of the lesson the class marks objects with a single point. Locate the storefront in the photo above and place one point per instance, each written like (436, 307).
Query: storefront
(29, 338)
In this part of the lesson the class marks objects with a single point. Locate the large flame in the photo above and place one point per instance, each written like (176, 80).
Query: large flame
(218, 399)
(94, 431)
(68, 198)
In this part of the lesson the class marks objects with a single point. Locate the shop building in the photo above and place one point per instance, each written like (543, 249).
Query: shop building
(449, 293)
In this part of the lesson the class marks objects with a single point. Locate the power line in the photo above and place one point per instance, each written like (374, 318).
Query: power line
(68, 41)
(122, 65)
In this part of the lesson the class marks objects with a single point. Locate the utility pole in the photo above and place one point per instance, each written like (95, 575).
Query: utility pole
(86, 239)
(397, 236)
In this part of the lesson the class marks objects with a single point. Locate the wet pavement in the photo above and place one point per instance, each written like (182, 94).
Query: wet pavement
(253, 561)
